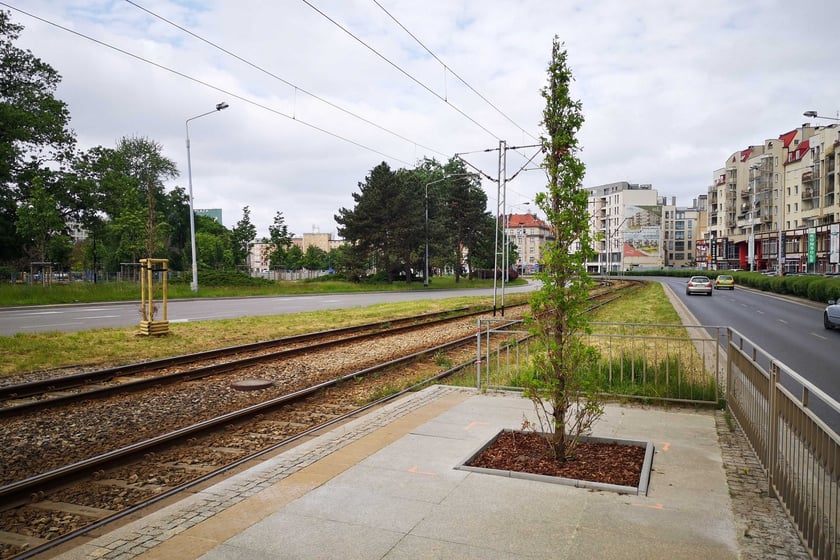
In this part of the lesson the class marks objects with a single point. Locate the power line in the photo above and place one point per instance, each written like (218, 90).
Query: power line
(447, 68)
(206, 84)
(276, 77)
(404, 72)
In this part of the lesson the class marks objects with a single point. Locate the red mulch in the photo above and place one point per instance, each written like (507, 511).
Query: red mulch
(528, 452)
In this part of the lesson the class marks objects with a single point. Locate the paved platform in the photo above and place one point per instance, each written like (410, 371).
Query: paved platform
(384, 486)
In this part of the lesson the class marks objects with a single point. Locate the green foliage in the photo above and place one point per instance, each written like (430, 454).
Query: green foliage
(230, 278)
(560, 387)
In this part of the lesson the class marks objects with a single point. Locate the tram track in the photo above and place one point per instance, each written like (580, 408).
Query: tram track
(55, 504)
(72, 496)
(42, 393)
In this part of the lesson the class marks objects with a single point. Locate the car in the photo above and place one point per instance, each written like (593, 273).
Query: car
(725, 282)
(698, 285)
(831, 315)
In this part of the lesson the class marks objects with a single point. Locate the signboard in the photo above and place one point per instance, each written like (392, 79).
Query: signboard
(812, 245)
(834, 244)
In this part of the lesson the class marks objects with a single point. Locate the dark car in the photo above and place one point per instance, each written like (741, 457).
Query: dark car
(831, 315)
(699, 285)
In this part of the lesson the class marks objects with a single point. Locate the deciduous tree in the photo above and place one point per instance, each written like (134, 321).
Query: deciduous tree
(562, 385)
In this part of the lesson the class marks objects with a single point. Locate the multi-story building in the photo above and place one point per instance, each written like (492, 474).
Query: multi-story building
(681, 231)
(530, 235)
(627, 227)
(784, 189)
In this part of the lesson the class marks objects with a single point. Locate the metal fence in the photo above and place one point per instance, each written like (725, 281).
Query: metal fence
(637, 361)
(791, 424)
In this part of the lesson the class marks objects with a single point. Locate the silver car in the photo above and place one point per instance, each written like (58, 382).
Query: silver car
(831, 315)
(699, 285)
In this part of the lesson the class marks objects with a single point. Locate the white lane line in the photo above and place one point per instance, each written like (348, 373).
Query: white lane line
(33, 313)
(782, 321)
(100, 317)
(819, 336)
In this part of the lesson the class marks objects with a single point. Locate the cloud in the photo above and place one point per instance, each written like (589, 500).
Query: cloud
(669, 90)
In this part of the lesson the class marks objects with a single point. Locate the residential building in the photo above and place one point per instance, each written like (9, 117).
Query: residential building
(680, 232)
(626, 226)
(785, 189)
(529, 234)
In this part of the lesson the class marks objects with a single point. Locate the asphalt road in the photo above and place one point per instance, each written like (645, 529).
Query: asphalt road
(79, 317)
(789, 329)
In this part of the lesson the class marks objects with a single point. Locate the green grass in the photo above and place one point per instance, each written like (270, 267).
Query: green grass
(110, 347)
(86, 292)
(645, 371)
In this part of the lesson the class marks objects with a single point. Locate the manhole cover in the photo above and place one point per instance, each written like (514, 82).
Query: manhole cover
(251, 384)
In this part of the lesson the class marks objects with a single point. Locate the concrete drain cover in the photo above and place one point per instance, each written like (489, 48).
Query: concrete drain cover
(251, 384)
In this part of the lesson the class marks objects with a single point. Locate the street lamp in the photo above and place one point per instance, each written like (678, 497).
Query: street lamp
(426, 261)
(194, 283)
(814, 115)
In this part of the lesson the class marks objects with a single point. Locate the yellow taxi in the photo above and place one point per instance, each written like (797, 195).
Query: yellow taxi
(725, 282)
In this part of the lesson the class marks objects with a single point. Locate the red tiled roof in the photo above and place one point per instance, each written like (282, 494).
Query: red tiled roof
(787, 138)
(799, 152)
(745, 154)
(524, 220)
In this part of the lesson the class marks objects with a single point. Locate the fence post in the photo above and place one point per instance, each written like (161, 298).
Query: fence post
(478, 357)
(772, 430)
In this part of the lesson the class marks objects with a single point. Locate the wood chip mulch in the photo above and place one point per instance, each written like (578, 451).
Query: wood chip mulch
(529, 452)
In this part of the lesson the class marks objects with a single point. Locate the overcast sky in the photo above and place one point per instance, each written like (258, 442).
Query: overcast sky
(669, 89)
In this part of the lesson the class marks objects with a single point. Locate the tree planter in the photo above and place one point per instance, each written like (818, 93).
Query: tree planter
(597, 462)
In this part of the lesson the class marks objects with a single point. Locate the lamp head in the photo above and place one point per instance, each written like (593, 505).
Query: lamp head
(222, 105)
(811, 114)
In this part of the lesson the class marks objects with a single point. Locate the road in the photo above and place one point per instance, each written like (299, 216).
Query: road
(790, 330)
(79, 317)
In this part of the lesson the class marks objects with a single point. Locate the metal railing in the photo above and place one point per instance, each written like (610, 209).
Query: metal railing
(790, 423)
(792, 426)
(637, 360)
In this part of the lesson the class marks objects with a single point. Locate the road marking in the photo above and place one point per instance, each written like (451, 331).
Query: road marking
(100, 317)
(50, 325)
(413, 470)
(782, 321)
(179, 320)
(819, 336)
(41, 313)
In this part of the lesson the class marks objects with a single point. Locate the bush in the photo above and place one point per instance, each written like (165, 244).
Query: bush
(229, 278)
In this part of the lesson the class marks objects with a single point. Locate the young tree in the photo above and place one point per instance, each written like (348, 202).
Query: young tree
(243, 235)
(561, 386)
(280, 239)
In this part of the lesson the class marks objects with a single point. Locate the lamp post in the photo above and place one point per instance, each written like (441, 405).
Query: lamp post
(194, 283)
(814, 115)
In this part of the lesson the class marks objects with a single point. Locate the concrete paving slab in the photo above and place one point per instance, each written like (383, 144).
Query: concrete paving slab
(395, 494)
(288, 536)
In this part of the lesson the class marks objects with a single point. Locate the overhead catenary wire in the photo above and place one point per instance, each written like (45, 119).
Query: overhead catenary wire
(401, 70)
(448, 69)
(284, 81)
(206, 84)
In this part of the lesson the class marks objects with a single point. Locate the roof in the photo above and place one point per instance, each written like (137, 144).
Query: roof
(524, 220)
(788, 137)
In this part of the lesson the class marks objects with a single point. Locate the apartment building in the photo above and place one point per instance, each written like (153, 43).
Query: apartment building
(626, 223)
(530, 235)
(682, 230)
(783, 189)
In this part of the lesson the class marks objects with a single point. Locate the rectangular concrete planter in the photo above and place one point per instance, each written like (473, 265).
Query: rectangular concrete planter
(644, 477)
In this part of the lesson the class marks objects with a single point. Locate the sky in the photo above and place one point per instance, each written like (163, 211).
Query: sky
(322, 91)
